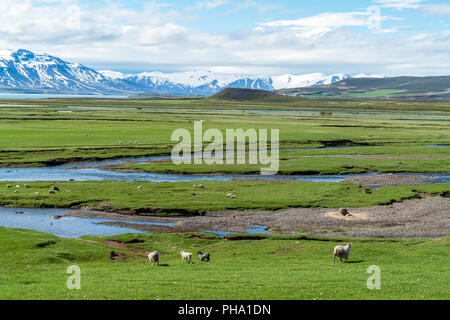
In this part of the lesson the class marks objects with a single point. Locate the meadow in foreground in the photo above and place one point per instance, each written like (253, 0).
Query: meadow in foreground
(34, 266)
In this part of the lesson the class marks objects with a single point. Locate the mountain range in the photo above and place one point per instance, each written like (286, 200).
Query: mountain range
(26, 71)
(436, 87)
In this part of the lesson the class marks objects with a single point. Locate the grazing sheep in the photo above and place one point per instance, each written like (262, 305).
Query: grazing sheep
(17, 186)
(15, 191)
(186, 256)
(344, 212)
(55, 188)
(203, 256)
(342, 252)
(9, 186)
(231, 195)
(153, 257)
(139, 187)
(26, 185)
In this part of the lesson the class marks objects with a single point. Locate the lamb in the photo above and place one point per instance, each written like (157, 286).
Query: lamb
(342, 252)
(186, 256)
(153, 257)
(203, 256)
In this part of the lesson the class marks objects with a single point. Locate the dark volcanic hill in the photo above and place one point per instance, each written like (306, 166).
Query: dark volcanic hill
(246, 95)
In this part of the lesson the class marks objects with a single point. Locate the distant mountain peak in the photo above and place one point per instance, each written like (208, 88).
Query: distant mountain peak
(24, 69)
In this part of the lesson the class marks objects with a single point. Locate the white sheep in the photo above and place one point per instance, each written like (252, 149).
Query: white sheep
(153, 257)
(342, 252)
(186, 256)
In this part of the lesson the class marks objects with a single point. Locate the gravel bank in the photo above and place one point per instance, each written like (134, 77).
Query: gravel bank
(388, 180)
(415, 218)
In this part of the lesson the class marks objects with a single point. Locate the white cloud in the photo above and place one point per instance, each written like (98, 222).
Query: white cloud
(212, 4)
(156, 36)
(323, 23)
(436, 9)
(258, 6)
(400, 4)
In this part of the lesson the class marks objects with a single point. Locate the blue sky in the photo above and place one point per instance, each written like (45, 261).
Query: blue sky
(244, 36)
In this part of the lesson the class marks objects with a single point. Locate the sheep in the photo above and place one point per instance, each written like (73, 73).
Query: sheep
(139, 187)
(186, 256)
(344, 212)
(9, 186)
(231, 196)
(26, 185)
(203, 256)
(342, 252)
(153, 257)
(55, 188)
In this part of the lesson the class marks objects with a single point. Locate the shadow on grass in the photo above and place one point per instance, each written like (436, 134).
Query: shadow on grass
(356, 261)
(163, 265)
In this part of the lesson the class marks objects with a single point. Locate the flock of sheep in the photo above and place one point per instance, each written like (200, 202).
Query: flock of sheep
(185, 256)
(342, 252)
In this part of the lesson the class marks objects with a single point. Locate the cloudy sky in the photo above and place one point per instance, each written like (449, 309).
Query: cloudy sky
(391, 37)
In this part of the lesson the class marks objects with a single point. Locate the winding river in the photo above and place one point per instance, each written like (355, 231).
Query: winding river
(72, 227)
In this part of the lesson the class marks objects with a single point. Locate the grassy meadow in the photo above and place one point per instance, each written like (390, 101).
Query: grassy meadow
(34, 266)
(168, 198)
(378, 136)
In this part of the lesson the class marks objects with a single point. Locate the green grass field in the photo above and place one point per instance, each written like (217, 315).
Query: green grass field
(179, 198)
(33, 133)
(275, 268)
(37, 135)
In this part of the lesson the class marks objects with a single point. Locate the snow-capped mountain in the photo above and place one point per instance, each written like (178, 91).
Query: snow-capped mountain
(25, 70)
(289, 81)
(195, 82)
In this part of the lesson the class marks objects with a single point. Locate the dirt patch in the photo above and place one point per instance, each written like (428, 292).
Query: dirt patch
(244, 237)
(45, 244)
(388, 180)
(280, 252)
(135, 241)
(196, 237)
(121, 245)
(414, 218)
(352, 216)
(115, 255)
